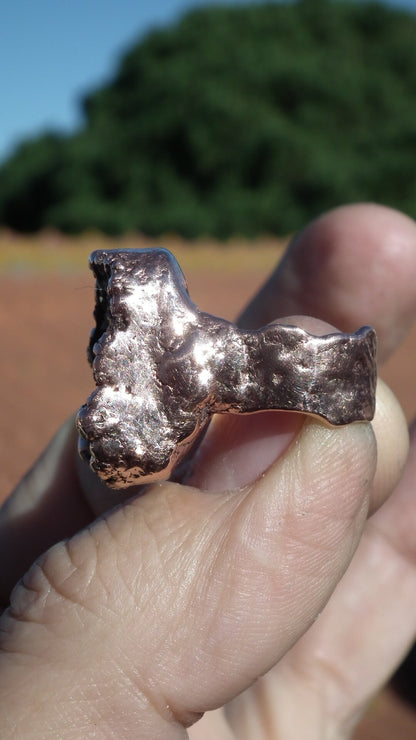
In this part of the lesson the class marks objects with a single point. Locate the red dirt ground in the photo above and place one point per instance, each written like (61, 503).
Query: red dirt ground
(44, 325)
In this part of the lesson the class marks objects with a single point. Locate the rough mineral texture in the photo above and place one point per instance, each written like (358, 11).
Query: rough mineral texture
(162, 368)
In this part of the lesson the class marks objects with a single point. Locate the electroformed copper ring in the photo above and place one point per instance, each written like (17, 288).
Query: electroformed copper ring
(162, 368)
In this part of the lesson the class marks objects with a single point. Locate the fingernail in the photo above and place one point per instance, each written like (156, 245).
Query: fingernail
(237, 449)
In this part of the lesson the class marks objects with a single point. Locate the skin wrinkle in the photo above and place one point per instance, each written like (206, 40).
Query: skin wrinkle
(209, 588)
(168, 599)
(234, 520)
(205, 599)
(28, 598)
(159, 704)
(73, 587)
(41, 581)
(170, 585)
(170, 710)
(84, 702)
(305, 459)
(161, 547)
(152, 700)
(318, 520)
(128, 541)
(386, 450)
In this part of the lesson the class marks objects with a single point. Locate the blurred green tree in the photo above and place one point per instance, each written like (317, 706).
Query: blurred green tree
(236, 120)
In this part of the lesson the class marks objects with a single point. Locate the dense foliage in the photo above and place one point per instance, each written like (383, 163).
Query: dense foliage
(235, 120)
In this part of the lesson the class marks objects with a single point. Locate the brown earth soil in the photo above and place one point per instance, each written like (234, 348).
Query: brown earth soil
(44, 324)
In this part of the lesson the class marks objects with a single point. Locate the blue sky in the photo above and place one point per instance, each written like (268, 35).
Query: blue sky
(51, 52)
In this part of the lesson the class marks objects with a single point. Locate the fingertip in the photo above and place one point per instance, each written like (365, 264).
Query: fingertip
(303, 518)
(354, 265)
(392, 435)
(327, 470)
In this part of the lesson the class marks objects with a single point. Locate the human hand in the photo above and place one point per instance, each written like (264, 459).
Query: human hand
(175, 602)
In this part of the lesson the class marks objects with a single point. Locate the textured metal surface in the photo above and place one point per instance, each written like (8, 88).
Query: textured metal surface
(163, 368)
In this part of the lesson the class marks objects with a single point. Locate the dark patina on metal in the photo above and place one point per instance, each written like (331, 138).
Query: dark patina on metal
(162, 368)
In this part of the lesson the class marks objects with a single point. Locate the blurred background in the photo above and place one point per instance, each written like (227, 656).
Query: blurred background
(213, 120)
(216, 130)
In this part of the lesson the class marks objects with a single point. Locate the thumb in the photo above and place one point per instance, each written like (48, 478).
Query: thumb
(175, 602)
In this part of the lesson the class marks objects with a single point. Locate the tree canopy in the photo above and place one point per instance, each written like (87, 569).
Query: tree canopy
(234, 120)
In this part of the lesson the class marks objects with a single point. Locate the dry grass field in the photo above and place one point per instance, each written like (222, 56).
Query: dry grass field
(46, 303)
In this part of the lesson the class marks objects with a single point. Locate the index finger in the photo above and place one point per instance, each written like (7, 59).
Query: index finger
(352, 266)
